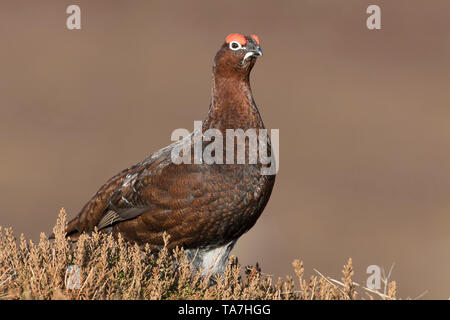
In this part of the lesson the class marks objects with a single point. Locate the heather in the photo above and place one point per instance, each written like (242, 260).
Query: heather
(114, 269)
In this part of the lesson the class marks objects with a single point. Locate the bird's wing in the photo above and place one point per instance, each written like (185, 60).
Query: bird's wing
(131, 192)
(127, 201)
(105, 208)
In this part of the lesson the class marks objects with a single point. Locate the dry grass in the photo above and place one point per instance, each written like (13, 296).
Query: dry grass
(114, 269)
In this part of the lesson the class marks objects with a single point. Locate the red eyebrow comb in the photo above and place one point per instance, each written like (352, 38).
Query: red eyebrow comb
(239, 38)
(255, 37)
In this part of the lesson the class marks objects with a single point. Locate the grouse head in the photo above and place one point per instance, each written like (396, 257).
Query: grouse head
(237, 55)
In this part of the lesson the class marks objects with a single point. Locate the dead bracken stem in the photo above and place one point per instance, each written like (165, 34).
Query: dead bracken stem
(110, 268)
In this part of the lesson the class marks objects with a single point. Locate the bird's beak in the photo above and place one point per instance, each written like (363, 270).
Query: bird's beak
(255, 52)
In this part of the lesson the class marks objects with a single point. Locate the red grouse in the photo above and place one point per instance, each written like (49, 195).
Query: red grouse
(204, 208)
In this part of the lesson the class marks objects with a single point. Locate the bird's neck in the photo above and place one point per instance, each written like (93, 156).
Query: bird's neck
(232, 105)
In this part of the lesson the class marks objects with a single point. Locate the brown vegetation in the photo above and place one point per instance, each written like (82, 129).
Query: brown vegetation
(113, 269)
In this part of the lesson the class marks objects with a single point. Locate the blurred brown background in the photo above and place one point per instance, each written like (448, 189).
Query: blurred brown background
(363, 118)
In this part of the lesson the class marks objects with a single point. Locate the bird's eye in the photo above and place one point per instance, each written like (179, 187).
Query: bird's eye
(234, 45)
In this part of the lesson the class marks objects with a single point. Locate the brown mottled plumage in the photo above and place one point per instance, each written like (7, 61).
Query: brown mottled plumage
(204, 208)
